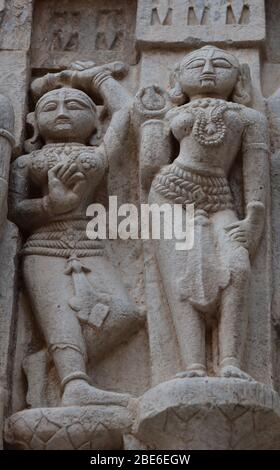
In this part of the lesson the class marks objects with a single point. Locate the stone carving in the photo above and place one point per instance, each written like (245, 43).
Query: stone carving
(193, 21)
(64, 172)
(238, 12)
(6, 146)
(2, 9)
(80, 32)
(207, 292)
(216, 414)
(95, 428)
(202, 354)
(197, 14)
(7, 143)
(110, 34)
(162, 13)
(274, 127)
(66, 32)
(205, 288)
(16, 23)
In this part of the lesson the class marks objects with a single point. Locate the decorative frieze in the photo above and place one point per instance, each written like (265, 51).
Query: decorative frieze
(191, 22)
(66, 31)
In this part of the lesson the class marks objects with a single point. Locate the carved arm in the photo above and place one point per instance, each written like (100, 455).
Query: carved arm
(255, 177)
(255, 150)
(27, 213)
(150, 107)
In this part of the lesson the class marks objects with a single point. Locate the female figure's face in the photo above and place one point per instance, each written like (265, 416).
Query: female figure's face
(66, 115)
(208, 72)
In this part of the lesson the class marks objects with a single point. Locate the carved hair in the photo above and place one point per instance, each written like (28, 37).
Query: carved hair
(36, 142)
(242, 93)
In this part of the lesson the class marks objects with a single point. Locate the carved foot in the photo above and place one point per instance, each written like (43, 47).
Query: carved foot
(234, 372)
(80, 393)
(191, 373)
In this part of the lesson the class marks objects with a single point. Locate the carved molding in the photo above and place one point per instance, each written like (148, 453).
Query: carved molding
(192, 22)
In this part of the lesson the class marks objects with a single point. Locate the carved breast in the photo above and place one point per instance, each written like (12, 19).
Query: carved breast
(210, 121)
(182, 125)
(89, 161)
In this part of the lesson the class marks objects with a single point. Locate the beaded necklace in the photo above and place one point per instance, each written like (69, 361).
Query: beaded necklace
(210, 128)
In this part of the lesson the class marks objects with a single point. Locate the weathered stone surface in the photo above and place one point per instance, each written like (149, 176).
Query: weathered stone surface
(16, 24)
(124, 343)
(190, 23)
(91, 428)
(2, 404)
(209, 414)
(8, 253)
(14, 84)
(67, 31)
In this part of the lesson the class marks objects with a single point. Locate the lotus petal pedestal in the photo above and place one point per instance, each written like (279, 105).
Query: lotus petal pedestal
(80, 428)
(212, 413)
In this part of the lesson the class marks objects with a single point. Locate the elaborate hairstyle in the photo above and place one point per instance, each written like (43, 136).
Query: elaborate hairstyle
(242, 92)
(42, 88)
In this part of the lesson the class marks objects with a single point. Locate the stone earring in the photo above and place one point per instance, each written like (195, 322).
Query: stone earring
(34, 143)
(242, 93)
(177, 95)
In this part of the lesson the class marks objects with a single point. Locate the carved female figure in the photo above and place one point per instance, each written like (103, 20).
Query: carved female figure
(207, 287)
(70, 281)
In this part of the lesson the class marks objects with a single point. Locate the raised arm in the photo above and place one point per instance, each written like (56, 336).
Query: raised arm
(95, 80)
(115, 96)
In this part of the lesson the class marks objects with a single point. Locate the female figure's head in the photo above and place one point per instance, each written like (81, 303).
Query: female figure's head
(210, 72)
(66, 115)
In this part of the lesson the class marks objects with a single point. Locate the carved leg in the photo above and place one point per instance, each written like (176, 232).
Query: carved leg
(62, 331)
(233, 305)
(234, 317)
(188, 323)
(190, 329)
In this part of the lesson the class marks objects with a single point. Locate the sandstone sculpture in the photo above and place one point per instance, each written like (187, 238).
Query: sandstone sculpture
(136, 343)
(6, 146)
(7, 142)
(207, 286)
(65, 174)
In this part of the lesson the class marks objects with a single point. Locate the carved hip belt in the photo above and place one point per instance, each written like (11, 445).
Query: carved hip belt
(63, 239)
(210, 193)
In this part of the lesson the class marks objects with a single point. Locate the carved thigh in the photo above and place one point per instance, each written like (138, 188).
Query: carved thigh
(49, 290)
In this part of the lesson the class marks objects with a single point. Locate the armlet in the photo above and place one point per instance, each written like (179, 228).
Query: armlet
(7, 135)
(255, 146)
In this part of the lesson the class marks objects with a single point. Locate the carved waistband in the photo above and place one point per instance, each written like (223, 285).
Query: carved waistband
(207, 192)
(63, 239)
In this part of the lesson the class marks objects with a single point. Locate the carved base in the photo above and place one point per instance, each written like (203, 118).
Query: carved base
(211, 413)
(87, 428)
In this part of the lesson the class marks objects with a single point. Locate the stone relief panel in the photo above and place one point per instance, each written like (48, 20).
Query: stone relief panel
(16, 24)
(66, 31)
(135, 344)
(7, 232)
(14, 84)
(209, 135)
(204, 289)
(191, 22)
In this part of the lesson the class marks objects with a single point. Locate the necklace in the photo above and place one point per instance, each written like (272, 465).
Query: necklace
(210, 128)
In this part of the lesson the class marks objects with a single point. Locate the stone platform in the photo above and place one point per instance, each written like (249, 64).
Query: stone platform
(70, 428)
(209, 414)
